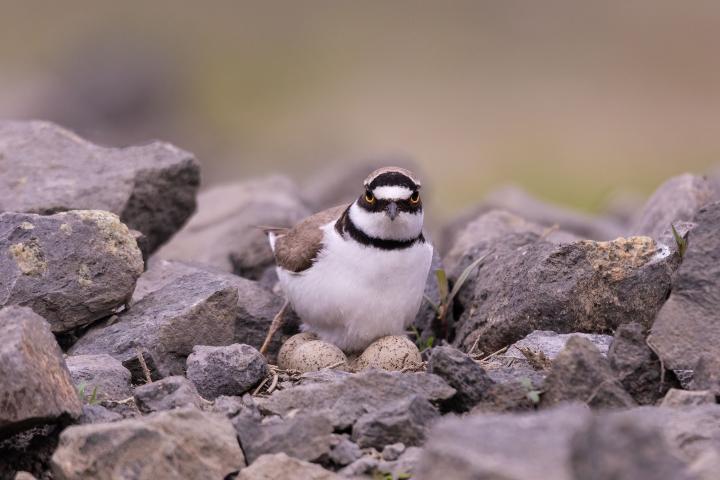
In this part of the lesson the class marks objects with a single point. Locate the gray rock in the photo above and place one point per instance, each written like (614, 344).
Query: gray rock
(344, 452)
(623, 448)
(406, 421)
(580, 373)
(545, 345)
(686, 327)
(554, 443)
(348, 398)
(101, 372)
(485, 230)
(489, 446)
(687, 398)
(256, 305)
(71, 268)
(98, 414)
(307, 437)
(528, 283)
(185, 443)
(231, 370)
(392, 452)
(278, 465)
(166, 394)
(48, 169)
(674, 201)
(637, 367)
(706, 375)
(231, 405)
(197, 309)
(35, 385)
(404, 466)
(518, 201)
(516, 395)
(224, 233)
(462, 373)
(361, 467)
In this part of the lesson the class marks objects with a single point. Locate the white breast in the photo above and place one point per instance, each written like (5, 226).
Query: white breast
(354, 294)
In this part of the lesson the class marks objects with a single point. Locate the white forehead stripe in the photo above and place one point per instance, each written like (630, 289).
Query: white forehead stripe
(392, 192)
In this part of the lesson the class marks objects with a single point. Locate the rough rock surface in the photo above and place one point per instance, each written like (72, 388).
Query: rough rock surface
(580, 373)
(706, 375)
(307, 437)
(674, 201)
(224, 232)
(546, 345)
(256, 305)
(166, 394)
(275, 466)
(347, 398)
(686, 327)
(687, 398)
(406, 421)
(47, 169)
(166, 324)
(35, 385)
(71, 268)
(637, 367)
(230, 370)
(564, 441)
(623, 448)
(183, 443)
(462, 373)
(487, 446)
(98, 414)
(527, 283)
(101, 372)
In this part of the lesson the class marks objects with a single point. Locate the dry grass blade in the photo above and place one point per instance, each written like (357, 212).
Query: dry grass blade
(143, 365)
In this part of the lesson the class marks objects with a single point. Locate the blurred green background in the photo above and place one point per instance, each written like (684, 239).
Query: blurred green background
(572, 100)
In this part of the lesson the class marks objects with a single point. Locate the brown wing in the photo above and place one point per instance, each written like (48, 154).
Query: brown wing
(297, 249)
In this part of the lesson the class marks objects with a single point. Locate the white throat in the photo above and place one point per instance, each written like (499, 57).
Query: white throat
(406, 226)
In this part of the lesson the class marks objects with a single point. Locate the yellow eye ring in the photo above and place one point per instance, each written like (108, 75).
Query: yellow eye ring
(369, 197)
(415, 198)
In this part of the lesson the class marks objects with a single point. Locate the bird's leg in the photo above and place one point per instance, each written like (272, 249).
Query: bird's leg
(274, 327)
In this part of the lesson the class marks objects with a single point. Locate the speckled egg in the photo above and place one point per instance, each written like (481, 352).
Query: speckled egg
(394, 352)
(315, 355)
(290, 345)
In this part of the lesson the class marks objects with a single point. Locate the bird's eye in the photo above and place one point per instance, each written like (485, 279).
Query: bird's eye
(369, 197)
(415, 198)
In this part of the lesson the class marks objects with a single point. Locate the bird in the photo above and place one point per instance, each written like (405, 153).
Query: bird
(355, 273)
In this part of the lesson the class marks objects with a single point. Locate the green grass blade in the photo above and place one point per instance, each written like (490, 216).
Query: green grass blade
(442, 282)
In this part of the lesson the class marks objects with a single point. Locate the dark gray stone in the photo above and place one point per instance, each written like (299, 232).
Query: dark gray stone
(47, 169)
(98, 414)
(687, 398)
(348, 398)
(71, 268)
(637, 367)
(546, 345)
(35, 385)
(623, 448)
(186, 442)
(231, 370)
(224, 232)
(502, 446)
(278, 465)
(256, 305)
(462, 373)
(580, 373)
(102, 374)
(197, 309)
(406, 421)
(344, 452)
(166, 394)
(686, 327)
(528, 283)
(674, 201)
(307, 437)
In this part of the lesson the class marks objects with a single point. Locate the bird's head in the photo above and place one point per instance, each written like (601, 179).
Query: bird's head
(390, 207)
